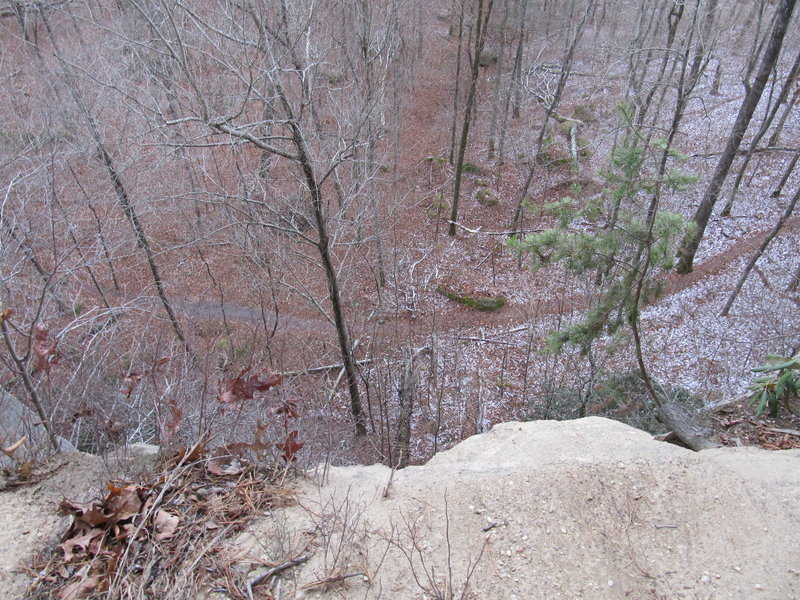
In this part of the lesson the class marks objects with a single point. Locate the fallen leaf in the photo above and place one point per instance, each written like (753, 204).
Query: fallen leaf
(226, 465)
(80, 544)
(77, 588)
(166, 524)
(123, 503)
(184, 455)
(90, 514)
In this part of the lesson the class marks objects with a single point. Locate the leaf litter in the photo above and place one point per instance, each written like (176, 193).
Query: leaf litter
(161, 537)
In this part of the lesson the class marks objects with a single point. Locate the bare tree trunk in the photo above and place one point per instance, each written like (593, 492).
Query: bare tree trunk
(770, 58)
(794, 283)
(717, 79)
(516, 73)
(566, 69)
(481, 22)
(782, 96)
(323, 245)
(406, 401)
(497, 82)
(786, 174)
(759, 252)
(458, 83)
(773, 139)
(122, 195)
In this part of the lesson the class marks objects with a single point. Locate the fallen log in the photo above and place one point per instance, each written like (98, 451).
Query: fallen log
(685, 428)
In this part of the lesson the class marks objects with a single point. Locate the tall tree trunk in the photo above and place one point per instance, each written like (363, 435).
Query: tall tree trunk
(759, 252)
(770, 58)
(773, 139)
(406, 402)
(323, 245)
(516, 73)
(454, 126)
(119, 189)
(566, 69)
(782, 96)
(481, 22)
(497, 82)
(786, 174)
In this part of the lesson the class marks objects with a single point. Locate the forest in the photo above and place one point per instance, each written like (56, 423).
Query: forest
(357, 231)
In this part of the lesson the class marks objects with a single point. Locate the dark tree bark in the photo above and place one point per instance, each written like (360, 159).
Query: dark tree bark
(406, 400)
(782, 96)
(458, 84)
(759, 252)
(119, 189)
(770, 58)
(786, 174)
(481, 22)
(497, 82)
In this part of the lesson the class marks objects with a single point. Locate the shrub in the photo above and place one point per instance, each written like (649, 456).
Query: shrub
(619, 396)
(782, 385)
(481, 303)
(486, 198)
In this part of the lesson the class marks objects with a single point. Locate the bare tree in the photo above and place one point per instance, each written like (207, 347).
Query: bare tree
(690, 244)
(760, 252)
(303, 131)
(551, 105)
(482, 17)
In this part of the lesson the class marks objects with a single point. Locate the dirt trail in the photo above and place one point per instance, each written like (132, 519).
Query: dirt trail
(675, 283)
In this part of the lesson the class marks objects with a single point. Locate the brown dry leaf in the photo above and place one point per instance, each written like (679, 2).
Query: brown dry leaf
(6, 314)
(90, 514)
(123, 503)
(166, 524)
(25, 470)
(258, 443)
(288, 408)
(184, 455)
(175, 420)
(130, 381)
(226, 465)
(15, 446)
(77, 588)
(240, 387)
(123, 531)
(81, 543)
(290, 447)
(44, 348)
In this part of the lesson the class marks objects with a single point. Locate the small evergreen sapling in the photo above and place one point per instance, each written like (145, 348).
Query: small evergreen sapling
(618, 237)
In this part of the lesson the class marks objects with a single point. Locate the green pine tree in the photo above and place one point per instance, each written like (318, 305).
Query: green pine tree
(619, 238)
